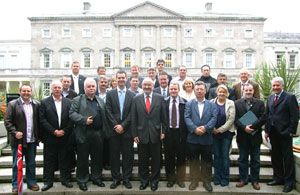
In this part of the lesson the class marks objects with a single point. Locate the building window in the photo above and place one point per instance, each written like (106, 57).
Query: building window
(292, 60)
(46, 33)
(46, 88)
(66, 32)
(66, 59)
(46, 60)
(13, 61)
(168, 59)
(208, 32)
(107, 32)
(107, 59)
(148, 32)
(188, 32)
(228, 32)
(127, 59)
(249, 62)
(86, 59)
(148, 59)
(188, 60)
(168, 32)
(2, 63)
(279, 57)
(86, 32)
(209, 59)
(127, 32)
(229, 61)
(248, 33)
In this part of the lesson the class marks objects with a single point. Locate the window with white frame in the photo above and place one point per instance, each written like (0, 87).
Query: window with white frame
(107, 59)
(127, 59)
(228, 32)
(66, 32)
(168, 59)
(86, 32)
(292, 61)
(248, 33)
(2, 61)
(106, 32)
(46, 33)
(148, 32)
(188, 59)
(168, 32)
(86, 59)
(13, 61)
(279, 57)
(209, 59)
(46, 60)
(66, 59)
(46, 88)
(229, 61)
(188, 32)
(249, 60)
(208, 32)
(127, 32)
(148, 59)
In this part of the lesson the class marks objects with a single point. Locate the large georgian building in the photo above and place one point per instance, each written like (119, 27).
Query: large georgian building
(139, 36)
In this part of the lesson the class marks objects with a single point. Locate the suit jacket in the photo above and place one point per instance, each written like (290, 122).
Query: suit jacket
(238, 93)
(97, 80)
(230, 116)
(49, 121)
(208, 120)
(212, 93)
(77, 115)
(258, 109)
(15, 121)
(156, 84)
(72, 94)
(113, 114)
(182, 125)
(157, 90)
(148, 127)
(81, 80)
(284, 115)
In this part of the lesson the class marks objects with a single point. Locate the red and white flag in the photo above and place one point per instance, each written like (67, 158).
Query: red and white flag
(20, 170)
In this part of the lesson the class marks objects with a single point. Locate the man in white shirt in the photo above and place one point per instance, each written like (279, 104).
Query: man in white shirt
(77, 79)
(182, 76)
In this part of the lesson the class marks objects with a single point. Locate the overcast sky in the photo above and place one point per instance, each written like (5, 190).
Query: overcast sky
(283, 15)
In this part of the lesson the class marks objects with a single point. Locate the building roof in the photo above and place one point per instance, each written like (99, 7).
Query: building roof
(280, 37)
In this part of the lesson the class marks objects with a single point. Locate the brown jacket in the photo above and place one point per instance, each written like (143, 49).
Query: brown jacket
(15, 121)
(238, 93)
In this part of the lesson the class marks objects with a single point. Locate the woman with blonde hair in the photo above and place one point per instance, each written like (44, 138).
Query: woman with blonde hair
(188, 90)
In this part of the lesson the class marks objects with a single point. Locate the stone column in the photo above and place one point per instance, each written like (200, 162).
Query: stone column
(7, 86)
(178, 47)
(117, 58)
(137, 45)
(158, 54)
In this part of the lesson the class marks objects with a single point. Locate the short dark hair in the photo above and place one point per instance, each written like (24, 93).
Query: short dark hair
(153, 69)
(163, 73)
(134, 76)
(100, 67)
(121, 72)
(205, 65)
(27, 85)
(221, 75)
(200, 83)
(160, 60)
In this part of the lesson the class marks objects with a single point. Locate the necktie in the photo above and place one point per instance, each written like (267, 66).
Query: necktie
(174, 114)
(121, 101)
(164, 92)
(276, 99)
(148, 105)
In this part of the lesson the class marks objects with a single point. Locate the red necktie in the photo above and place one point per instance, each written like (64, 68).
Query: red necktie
(148, 105)
(276, 99)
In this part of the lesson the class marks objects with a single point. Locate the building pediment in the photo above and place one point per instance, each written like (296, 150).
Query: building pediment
(147, 9)
(229, 49)
(209, 49)
(168, 49)
(189, 49)
(86, 49)
(65, 49)
(249, 50)
(145, 49)
(107, 49)
(127, 49)
(46, 50)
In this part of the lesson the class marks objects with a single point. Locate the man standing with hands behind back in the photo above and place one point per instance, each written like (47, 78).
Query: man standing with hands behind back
(282, 121)
(149, 123)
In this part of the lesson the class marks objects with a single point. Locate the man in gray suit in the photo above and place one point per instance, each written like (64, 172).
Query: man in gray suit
(88, 113)
(200, 117)
(149, 123)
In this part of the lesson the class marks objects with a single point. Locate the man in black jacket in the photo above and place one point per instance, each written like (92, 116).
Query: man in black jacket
(207, 79)
(67, 91)
(77, 79)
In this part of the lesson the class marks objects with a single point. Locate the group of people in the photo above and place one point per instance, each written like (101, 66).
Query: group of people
(178, 117)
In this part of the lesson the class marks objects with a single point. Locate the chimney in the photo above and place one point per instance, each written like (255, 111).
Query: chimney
(208, 6)
(86, 7)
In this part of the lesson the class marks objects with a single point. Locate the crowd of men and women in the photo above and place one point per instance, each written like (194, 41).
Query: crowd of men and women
(100, 119)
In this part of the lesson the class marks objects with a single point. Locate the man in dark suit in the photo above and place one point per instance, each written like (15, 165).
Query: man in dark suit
(221, 80)
(282, 121)
(175, 139)
(77, 79)
(163, 85)
(55, 128)
(249, 136)
(207, 79)
(152, 74)
(149, 123)
(88, 113)
(101, 71)
(160, 66)
(200, 117)
(134, 71)
(245, 78)
(118, 112)
(67, 91)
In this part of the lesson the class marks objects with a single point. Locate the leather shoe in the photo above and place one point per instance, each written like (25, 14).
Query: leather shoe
(47, 187)
(208, 187)
(181, 184)
(115, 184)
(154, 187)
(34, 187)
(256, 186)
(193, 185)
(127, 184)
(83, 187)
(287, 188)
(170, 184)
(99, 183)
(14, 191)
(143, 186)
(240, 184)
(67, 184)
(274, 183)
